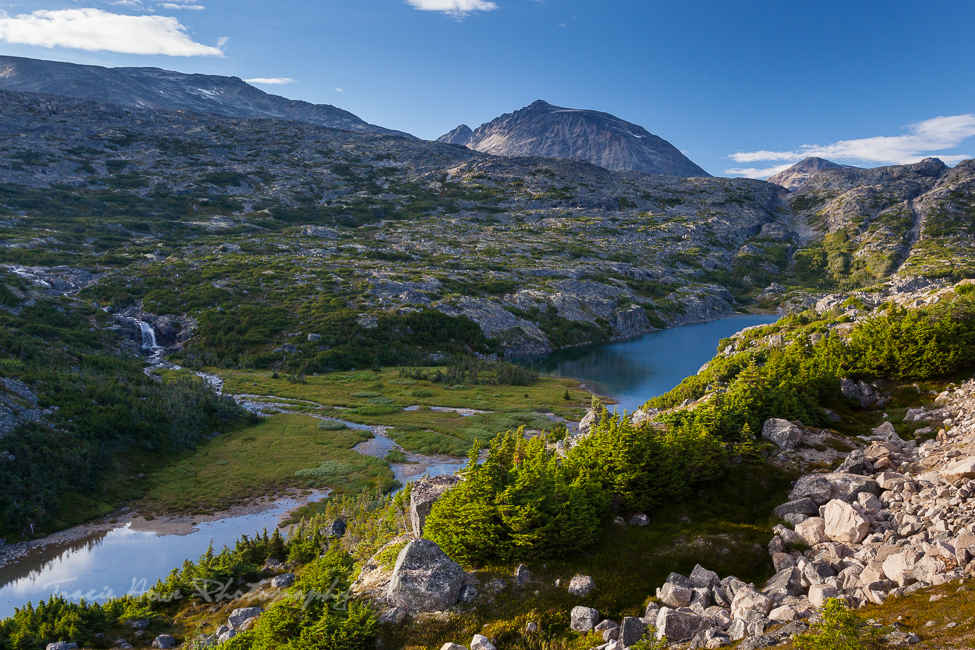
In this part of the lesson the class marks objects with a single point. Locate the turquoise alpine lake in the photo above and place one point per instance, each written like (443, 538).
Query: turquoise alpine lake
(633, 371)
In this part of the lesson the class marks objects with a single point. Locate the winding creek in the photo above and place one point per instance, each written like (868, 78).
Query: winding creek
(115, 559)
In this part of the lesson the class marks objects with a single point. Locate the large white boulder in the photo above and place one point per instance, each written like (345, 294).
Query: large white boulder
(680, 625)
(425, 579)
(581, 586)
(782, 433)
(843, 523)
(584, 619)
(813, 530)
(899, 567)
(959, 470)
(747, 600)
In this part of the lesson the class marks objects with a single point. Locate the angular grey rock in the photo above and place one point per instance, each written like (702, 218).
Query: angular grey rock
(581, 586)
(522, 575)
(139, 624)
(855, 463)
(631, 631)
(702, 578)
(710, 638)
(848, 487)
(749, 601)
(804, 506)
(425, 579)
(468, 594)
(481, 642)
(675, 595)
(584, 619)
(243, 614)
(812, 486)
(680, 625)
(452, 646)
(738, 629)
(782, 433)
(424, 494)
(784, 583)
(283, 581)
(62, 645)
(393, 616)
(678, 579)
(755, 642)
(609, 629)
(164, 642)
(335, 529)
(639, 520)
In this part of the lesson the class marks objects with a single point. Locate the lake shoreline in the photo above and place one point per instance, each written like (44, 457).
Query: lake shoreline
(174, 524)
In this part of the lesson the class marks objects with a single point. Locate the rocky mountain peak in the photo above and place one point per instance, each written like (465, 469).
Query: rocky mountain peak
(461, 135)
(544, 130)
(794, 177)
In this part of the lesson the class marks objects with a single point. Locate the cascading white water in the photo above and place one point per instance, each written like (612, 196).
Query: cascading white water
(148, 336)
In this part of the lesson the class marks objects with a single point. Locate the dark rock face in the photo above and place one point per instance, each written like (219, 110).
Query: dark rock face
(153, 88)
(599, 138)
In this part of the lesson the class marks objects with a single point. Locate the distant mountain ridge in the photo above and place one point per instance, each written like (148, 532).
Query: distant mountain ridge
(155, 88)
(796, 176)
(544, 130)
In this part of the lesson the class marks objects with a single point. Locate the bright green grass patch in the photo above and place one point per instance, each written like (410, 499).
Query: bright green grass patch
(356, 388)
(428, 442)
(260, 459)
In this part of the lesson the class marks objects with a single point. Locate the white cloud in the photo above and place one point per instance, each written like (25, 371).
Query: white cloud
(921, 140)
(339, 90)
(273, 81)
(457, 8)
(753, 172)
(96, 30)
(173, 5)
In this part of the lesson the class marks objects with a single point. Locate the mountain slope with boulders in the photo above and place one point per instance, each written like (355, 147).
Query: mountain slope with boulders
(155, 88)
(872, 223)
(542, 129)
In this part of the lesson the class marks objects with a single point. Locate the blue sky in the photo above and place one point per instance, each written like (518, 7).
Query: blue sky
(742, 85)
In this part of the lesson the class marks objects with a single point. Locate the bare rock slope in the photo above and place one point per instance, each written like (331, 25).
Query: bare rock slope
(154, 88)
(599, 138)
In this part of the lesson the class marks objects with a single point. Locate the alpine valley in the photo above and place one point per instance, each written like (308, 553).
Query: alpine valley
(211, 296)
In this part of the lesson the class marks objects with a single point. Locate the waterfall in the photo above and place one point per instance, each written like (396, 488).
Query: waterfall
(148, 336)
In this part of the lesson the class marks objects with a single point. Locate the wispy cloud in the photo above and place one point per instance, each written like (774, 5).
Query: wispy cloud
(173, 5)
(919, 141)
(272, 81)
(457, 8)
(96, 30)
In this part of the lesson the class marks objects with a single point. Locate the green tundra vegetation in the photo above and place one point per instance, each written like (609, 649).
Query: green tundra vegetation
(702, 487)
(108, 418)
(796, 380)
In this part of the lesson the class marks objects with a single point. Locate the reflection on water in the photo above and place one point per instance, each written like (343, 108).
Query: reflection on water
(631, 372)
(121, 560)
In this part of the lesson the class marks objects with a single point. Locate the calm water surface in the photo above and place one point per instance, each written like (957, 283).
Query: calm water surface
(633, 371)
(124, 560)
